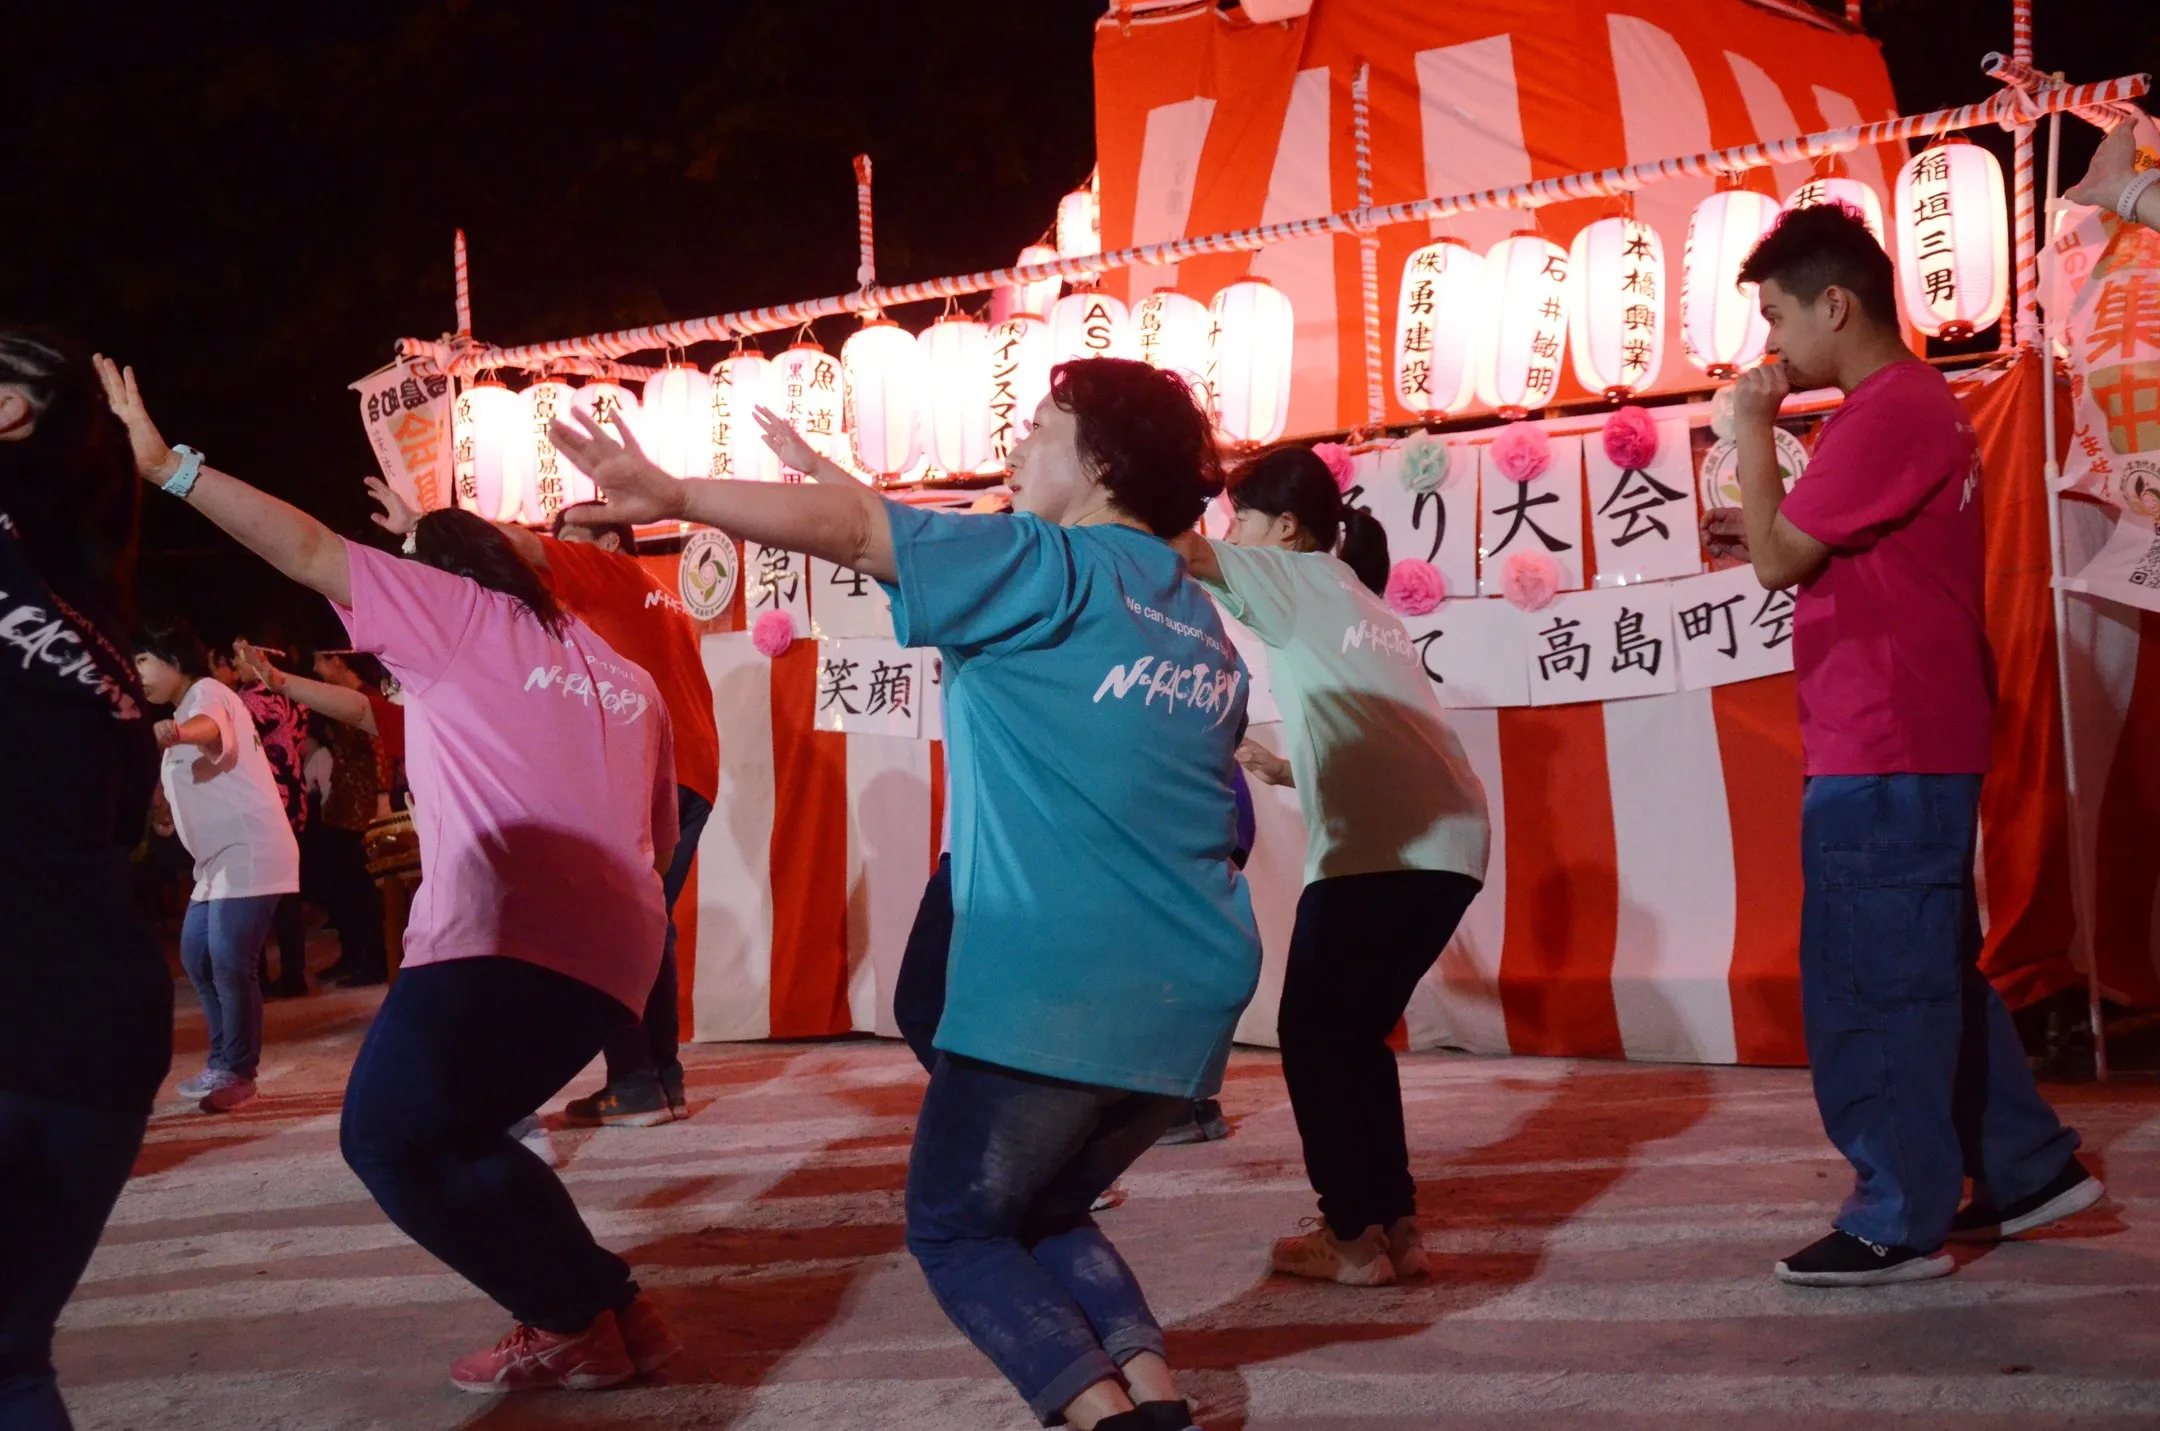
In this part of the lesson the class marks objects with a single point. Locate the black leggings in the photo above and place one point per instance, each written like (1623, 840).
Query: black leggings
(1361, 944)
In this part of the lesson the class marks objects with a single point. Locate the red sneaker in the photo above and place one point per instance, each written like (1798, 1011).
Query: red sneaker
(530, 1359)
(651, 1342)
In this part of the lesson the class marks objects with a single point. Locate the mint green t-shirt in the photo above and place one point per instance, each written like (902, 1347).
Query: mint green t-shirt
(1382, 781)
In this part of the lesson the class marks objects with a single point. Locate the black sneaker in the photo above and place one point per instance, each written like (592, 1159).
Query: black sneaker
(641, 1106)
(1204, 1124)
(2073, 1190)
(1843, 1260)
(1167, 1415)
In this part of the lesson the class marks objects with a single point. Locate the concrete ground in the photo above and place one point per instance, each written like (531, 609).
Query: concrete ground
(1603, 1235)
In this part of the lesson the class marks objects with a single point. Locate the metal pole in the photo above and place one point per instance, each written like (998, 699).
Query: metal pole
(1368, 247)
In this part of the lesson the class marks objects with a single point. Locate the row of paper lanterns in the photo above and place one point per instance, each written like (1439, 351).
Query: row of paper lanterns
(1491, 327)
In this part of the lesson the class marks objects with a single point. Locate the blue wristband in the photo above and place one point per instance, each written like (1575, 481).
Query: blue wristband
(182, 481)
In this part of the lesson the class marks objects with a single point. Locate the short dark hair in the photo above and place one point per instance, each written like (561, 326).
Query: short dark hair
(1295, 480)
(70, 488)
(174, 642)
(1151, 446)
(457, 541)
(624, 536)
(1809, 249)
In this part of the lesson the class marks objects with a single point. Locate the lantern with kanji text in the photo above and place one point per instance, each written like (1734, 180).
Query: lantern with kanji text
(1170, 331)
(1721, 324)
(1616, 307)
(1523, 341)
(1019, 380)
(486, 424)
(806, 390)
(1089, 324)
(1840, 189)
(1250, 346)
(1438, 316)
(1953, 240)
(536, 470)
(882, 369)
(741, 383)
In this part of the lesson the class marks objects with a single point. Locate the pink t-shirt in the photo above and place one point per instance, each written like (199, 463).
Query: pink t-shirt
(542, 772)
(1889, 640)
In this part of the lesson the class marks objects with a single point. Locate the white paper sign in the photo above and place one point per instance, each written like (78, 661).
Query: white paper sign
(869, 688)
(1602, 646)
(776, 580)
(845, 604)
(1438, 526)
(1729, 629)
(1544, 514)
(406, 410)
(1260, 707)
(1642, 520)
(2127, 569)
(1472, 651)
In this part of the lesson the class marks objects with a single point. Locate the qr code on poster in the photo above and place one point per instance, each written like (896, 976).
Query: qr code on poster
(2147, 571)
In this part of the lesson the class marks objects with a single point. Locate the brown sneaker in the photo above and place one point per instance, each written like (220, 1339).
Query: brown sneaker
(651, 1342)
(530, 1360)
(1405, 1250)
(640, 1107)
(1318, 1254)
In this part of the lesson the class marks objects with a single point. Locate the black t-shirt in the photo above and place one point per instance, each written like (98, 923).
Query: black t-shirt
(85, 997)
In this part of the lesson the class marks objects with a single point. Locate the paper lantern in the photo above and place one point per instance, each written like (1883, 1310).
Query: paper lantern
(1953, 240)
(1721, 324)
(1838, 189)
(1437, 318)
(1019, 380)
(1616, 306)
(1088, 324)
(1034, 298)
(614, 407)
(956, 393)
(1170, 331)
(1249, 352)
(882, 369)
(1079, 225)
(486, 425)
(536, 470)
(674, 421)
(806, 390)
(741, 383)
(1524, 337)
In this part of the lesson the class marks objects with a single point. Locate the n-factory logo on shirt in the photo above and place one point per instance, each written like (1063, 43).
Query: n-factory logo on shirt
(1211, 690)
(615, 700)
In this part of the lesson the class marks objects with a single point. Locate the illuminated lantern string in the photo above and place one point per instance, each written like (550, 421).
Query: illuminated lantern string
(1250, 344)
(1520, 346)
(1721, 324)
(806, 390)
(1089, 324)
(1616, 306)
(1953, 240)
(741, 383)
(486, 425)
(674, 421)
(1441, 308)
(1839, 189)
(882, 368)
(1170, 331)
(956, 393)
(1019, 380)
(536, 469)
(1079, 225)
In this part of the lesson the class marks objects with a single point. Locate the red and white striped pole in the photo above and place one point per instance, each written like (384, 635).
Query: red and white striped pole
(2023, 330)
(1368, 246)
(464, 286)
(865, 233)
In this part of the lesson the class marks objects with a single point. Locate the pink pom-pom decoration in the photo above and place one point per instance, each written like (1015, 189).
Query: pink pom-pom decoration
(1522, 451)
(1529, 580)
(773, 633)
(1631, 437)
(1336, 457)
(1415, 588)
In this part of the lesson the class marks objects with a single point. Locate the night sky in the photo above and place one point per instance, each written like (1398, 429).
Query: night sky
(251, 202)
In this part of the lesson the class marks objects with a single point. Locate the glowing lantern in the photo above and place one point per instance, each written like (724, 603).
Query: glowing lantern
(486, 426)
(1170, 331)
(1437, 318)
(1019, 380)
(1721, 325)
(536, 470)
(806, 390)
(1079, 225)
(1089, 325)
(1035, 297)
(1838, 189)
(1520, 345)
(956, 393)
(1249, 353)
(883, 371)
(741, 384)
(1616, 308)
(674, 422)
(1953, 240)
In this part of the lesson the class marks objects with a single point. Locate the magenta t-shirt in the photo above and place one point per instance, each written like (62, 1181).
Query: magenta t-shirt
(542, 773)
(1889, 640)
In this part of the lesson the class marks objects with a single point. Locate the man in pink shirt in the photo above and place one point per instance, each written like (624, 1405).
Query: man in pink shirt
(1918, 1072)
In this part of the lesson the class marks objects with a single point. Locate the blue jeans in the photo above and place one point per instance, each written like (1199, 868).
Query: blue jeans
(61, 1169)
(647, 1049)
(1004, 1169)
(1918, 1071)
(221, 947)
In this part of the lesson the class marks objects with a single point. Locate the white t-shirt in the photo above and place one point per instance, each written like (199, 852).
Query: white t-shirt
(227, 811)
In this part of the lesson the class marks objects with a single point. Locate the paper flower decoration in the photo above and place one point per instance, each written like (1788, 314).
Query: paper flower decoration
(1631, 437)
(773, 633)
(1721, 412)
(1424, 463)
(1529, 580)
(1336, 458)
(1522, 451)
(1415, 588)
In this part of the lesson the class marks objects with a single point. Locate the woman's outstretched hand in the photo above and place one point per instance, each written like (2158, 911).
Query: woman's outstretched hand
(2114, 164)
(791, 447)
(397, 516)
(255, 666)
(154, 458)
(633, 488)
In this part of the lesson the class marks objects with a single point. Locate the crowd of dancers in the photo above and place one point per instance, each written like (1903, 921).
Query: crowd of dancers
(1088, 945)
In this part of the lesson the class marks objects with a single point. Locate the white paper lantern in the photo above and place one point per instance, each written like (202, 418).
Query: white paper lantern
(536, 469)
(1089, 324)
(1250, 344)
(614, 407)
(1524, 338)
(1035, 297)
(1019, 380)
(883, 372)
(1438, 315)
(486, 425)
(956, 393)
(1721, 323)
(1839, 189)
(1079, 225)
(1170, 331)
(674, 421)
(807, 391)
(1616, 306)
(1953, 240)
(741, 383)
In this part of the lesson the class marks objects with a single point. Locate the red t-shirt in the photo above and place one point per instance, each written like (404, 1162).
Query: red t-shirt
(1889, 639)
(644, 622)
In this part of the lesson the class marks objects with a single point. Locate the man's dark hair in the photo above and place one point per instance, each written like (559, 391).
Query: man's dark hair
(175, 643)
(1151, 446)
(69, 489)
(624, 536)
(1809, 249)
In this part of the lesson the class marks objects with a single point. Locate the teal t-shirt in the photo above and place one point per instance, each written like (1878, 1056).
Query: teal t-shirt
(1092, 707)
